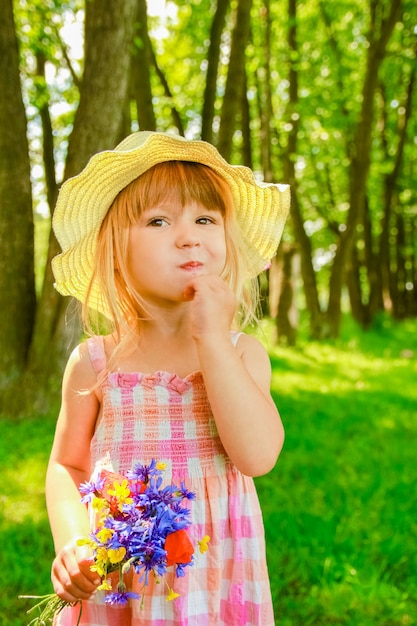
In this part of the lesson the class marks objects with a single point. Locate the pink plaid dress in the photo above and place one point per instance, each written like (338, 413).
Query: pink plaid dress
(168, 418)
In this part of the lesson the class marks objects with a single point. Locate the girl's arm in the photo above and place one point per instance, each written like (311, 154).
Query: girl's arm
(69, 465)
(237, 380)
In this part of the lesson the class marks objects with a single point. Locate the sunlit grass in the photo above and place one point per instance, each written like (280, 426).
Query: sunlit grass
(341, 504)
(27, 549)
(339, 508)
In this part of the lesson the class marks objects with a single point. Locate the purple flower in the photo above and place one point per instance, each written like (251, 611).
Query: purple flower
(144, 472)
(91, 488)
(120, 597)
(179, 568)
(185, 493)
(139, 522)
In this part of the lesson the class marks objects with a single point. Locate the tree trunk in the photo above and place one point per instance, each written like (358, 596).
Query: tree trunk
(287, 313)
(370, 261)
(176, 118)
(379, 34)
(266, 114)
(301, 237)
(413, 274)
(399, 309)
(109, 28)
(140, 71)
(362, 263)
(16, 219)
(246, 150)
(209, 98)
(235, 82)
(353, 283)
(98, 125)
(382, 300)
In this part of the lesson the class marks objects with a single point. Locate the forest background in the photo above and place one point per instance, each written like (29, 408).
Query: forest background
(318, 95)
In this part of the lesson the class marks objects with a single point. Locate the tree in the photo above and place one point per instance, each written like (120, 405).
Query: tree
(235, 82)
(383, 17)
(304, 242)
(213, 55)
(142, 60)
(330, 114)
(98, 125)
(17, 286)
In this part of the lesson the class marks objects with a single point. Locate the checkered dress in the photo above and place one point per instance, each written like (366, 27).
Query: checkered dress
(168, 418)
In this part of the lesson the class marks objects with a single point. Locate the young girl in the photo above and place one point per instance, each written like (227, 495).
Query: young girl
(163, 238)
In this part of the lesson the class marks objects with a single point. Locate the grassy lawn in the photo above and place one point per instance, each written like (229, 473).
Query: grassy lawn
(339, 508)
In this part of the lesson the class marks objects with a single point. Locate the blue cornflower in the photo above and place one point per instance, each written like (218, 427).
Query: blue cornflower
(91, 488)
(186, 493)
(149, 555)
(120, 597)
(140, 526)
(164, 522)
(180, 567)
(144, 472)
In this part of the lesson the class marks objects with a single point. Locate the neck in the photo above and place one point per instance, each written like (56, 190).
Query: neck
(162, 343)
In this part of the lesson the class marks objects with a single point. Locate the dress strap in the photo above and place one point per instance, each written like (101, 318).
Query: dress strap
(234, 337)
(97, 353)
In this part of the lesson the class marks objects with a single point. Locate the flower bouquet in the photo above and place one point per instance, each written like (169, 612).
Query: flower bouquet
(140, 525)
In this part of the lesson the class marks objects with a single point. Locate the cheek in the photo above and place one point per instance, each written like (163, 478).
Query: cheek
(134, 256)
(221, 252)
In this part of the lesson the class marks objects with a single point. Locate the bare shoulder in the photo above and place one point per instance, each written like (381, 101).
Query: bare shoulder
(79, 373)
(256, 359)
(248, 345)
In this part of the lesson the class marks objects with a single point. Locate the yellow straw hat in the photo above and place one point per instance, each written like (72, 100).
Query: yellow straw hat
(261, 208)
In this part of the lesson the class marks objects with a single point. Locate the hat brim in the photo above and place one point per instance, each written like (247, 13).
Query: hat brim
(84, 200)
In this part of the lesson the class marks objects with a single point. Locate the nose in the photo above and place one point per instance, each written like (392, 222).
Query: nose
(187, 235)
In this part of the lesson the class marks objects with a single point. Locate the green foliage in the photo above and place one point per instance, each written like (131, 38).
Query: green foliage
(181, 49)
(331, 66)
(339, 507)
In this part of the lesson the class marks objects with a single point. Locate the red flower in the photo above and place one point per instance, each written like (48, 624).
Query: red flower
(179, 548)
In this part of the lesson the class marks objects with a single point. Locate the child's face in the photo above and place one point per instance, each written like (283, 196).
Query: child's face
(170, 244)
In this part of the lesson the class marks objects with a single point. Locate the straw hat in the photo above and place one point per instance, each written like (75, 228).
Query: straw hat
(261, 208)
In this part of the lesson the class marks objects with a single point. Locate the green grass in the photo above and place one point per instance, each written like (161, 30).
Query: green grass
(339, 508)
(27, 549)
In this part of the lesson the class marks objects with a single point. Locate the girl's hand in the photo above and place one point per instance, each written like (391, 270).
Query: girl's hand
(213, 305)
(71, 575)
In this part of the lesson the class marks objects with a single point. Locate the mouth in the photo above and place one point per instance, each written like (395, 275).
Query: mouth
(191, 266)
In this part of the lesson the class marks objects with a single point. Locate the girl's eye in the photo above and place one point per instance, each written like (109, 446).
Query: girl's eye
(157, 222)
(205, 220)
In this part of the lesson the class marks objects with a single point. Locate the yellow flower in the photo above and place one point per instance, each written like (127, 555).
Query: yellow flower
(104, 535)
(160, 466)
(101, 555)
(99, 504)
(100, 568)
(116, 555)
(121, 492)
(172, 595)
(203, 543)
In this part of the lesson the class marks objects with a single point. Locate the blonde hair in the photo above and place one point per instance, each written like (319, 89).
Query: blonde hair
(174, 181)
